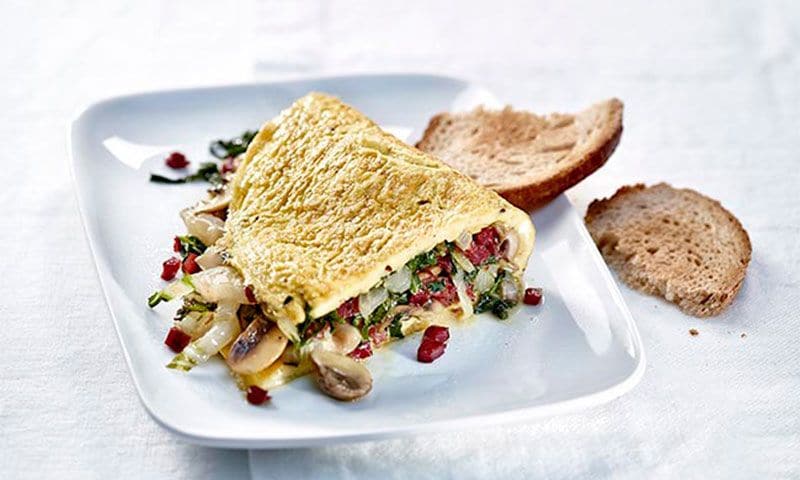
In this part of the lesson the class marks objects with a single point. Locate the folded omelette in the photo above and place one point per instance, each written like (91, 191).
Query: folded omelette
(345, 238)
(326, 204)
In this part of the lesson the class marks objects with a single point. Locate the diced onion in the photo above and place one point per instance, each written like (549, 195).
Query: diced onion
(368, 302)
(210, 258)
(463, 298)
(399, 281)
(464, 240)
(509, 290)
(220, 284)
(462, 261)
(223, 331)
(196, 324)
(483, 280)
(178, 288)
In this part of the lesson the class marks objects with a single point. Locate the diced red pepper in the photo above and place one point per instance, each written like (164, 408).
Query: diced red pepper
(477, 254)
(448, 295)
(436, 333)
(420, 298)
(364, 350)
(489, 238)
(317, 330)
(445, 263)
(257, 395)
(177, 339)
(348, 309)
(176, 245)
(251, 296)
(378, 334)
(176, 160)
(190, 264)
(429, 351)
(434, 343)
(533, 296)
(228, 165)
(170, 268)
(471, 292)
(485, 244)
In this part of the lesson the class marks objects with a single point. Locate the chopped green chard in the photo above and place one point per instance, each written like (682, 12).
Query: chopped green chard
(416, 284)
(423, 260)
(491, 301)
(191, 244)
(396, 327)
(194, 303)
(494, 304)
(223, 149)
(208, 172)
(174, 290)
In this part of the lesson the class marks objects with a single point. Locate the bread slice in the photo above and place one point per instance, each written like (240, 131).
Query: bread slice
(671, 242)
(526, 158)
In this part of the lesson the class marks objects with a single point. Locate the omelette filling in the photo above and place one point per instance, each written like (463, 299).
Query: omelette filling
(450, 282)
(265, 348)
(220, 315)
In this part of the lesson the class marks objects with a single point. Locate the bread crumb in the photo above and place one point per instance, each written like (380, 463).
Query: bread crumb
(742, 335)
(693, 332)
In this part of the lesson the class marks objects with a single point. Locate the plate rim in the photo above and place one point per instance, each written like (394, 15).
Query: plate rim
(520, 414)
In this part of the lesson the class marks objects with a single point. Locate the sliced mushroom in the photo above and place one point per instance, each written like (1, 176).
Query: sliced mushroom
(345, 338)
(257, 347)
(248, 313)
(509, 246)
(340, 376)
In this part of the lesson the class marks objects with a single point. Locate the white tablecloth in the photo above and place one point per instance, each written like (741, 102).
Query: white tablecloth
(712, 102)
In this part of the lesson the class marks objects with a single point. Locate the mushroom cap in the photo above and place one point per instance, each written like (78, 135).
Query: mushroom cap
(340, 376)
(257, 347)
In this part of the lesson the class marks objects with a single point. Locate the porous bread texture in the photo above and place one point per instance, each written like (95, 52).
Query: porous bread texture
(675, 243)
(326, 203)
(526, 158)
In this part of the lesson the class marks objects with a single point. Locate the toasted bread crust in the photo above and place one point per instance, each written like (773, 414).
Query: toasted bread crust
(495, 134)
(674, 243)
(535, 195)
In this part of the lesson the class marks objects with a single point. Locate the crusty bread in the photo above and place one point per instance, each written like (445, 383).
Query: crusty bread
(526, 158)
(671, 242)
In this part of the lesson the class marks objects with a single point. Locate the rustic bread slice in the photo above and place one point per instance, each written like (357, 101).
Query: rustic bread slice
(526, 158)
(671, 242)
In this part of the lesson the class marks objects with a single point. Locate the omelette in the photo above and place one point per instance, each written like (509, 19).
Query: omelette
(327, 239)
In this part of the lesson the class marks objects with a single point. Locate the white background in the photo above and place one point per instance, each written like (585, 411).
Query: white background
(711, 102)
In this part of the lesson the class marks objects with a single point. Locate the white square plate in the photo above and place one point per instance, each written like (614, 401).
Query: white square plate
(579, 348)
